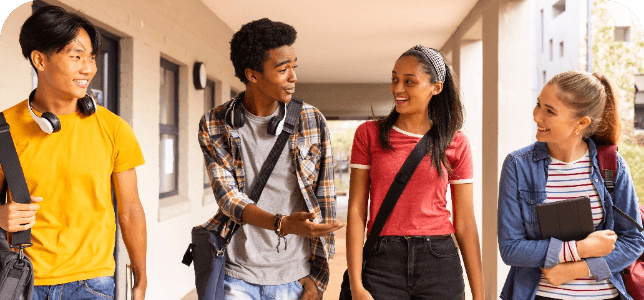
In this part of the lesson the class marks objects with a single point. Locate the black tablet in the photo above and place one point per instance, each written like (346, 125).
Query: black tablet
(566, 220)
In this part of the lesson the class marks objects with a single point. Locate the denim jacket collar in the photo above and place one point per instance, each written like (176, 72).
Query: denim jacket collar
(540, 152)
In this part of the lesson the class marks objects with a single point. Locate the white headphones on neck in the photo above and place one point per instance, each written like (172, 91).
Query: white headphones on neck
(49, 122)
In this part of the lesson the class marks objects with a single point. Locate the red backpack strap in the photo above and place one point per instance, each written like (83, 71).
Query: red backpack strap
(607, 157)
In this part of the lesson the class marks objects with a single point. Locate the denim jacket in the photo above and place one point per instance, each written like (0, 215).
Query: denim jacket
(522, 186)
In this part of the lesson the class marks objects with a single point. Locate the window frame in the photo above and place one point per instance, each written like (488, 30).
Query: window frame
(171, 129)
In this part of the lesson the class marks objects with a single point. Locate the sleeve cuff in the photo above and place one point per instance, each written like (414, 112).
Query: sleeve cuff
(568, 252)
(462, 181)
(357, 166)
(552, 255)
(238, 211)
(316, 285)
(598, 268)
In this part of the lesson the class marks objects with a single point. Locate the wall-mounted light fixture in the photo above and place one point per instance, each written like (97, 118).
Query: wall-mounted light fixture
(199, 75)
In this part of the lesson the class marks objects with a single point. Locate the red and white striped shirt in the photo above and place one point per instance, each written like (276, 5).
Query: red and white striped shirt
(566, 181)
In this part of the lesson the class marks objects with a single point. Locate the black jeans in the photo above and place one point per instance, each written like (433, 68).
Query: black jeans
(414, 268)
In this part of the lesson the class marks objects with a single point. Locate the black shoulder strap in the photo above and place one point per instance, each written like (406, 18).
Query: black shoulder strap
(15, 179)
(294, 111)
(395, 190)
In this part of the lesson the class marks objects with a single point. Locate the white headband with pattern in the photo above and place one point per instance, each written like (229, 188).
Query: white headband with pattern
(435, 58)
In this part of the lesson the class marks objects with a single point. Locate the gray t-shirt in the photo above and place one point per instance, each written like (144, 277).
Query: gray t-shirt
(252, 255)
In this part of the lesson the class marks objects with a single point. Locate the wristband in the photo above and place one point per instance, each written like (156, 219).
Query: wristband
(277, 224)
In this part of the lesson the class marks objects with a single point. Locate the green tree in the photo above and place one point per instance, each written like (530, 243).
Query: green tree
(618, 61)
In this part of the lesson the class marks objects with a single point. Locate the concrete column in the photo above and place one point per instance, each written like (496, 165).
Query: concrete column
(456, 58)
(507, 50)
(490, 126)
(471, 96)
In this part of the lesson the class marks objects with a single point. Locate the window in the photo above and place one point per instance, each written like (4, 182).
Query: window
(208, 104)
(558, 8)
(622, 34)
(542, 33)
(561, 49)
(104, 85)
(168, 129)
(551, 50)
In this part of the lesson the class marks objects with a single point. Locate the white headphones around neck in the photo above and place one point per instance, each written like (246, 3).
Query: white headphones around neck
(49, 122)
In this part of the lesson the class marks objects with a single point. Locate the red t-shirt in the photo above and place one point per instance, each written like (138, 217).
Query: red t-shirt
(421, 209)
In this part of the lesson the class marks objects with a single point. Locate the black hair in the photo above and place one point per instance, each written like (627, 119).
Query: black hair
(445, 114)
(250, 45)
(51, 28)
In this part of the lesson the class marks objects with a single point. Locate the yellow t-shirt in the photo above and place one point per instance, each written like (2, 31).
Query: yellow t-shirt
(71, 170)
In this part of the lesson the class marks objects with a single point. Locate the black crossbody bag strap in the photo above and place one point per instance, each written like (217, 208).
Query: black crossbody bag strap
(293, 113)
(15, 179)
(395, 190)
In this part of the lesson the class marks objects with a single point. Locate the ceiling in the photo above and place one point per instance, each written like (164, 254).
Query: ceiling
(351, 41)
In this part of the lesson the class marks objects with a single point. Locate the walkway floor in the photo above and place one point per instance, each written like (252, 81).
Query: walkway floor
(338, 263)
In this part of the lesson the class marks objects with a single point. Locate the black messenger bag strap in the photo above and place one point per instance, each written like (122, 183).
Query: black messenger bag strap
(290, 121)
(395, 190)
(15, 179)
(293, 113)
(16, 270)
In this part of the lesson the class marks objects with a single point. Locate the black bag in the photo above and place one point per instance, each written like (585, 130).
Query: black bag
(208, 247)
(207, 251)
(16, 273)
(394, 192)
(16, 270)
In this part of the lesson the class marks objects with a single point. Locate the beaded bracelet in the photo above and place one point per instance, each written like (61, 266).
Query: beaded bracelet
(278, 230)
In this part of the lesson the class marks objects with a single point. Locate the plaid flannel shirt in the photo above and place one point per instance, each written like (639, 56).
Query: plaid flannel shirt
(310, 148)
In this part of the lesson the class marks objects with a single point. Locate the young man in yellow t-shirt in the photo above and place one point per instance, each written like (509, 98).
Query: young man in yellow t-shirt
(72, 151)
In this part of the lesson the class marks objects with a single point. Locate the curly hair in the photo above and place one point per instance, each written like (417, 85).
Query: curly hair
(250, 45)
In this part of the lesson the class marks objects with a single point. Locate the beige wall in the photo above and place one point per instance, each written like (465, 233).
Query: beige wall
(182, 32)
(15, 79)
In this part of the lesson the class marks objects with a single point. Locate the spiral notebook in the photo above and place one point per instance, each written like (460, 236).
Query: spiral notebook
(566, 220)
